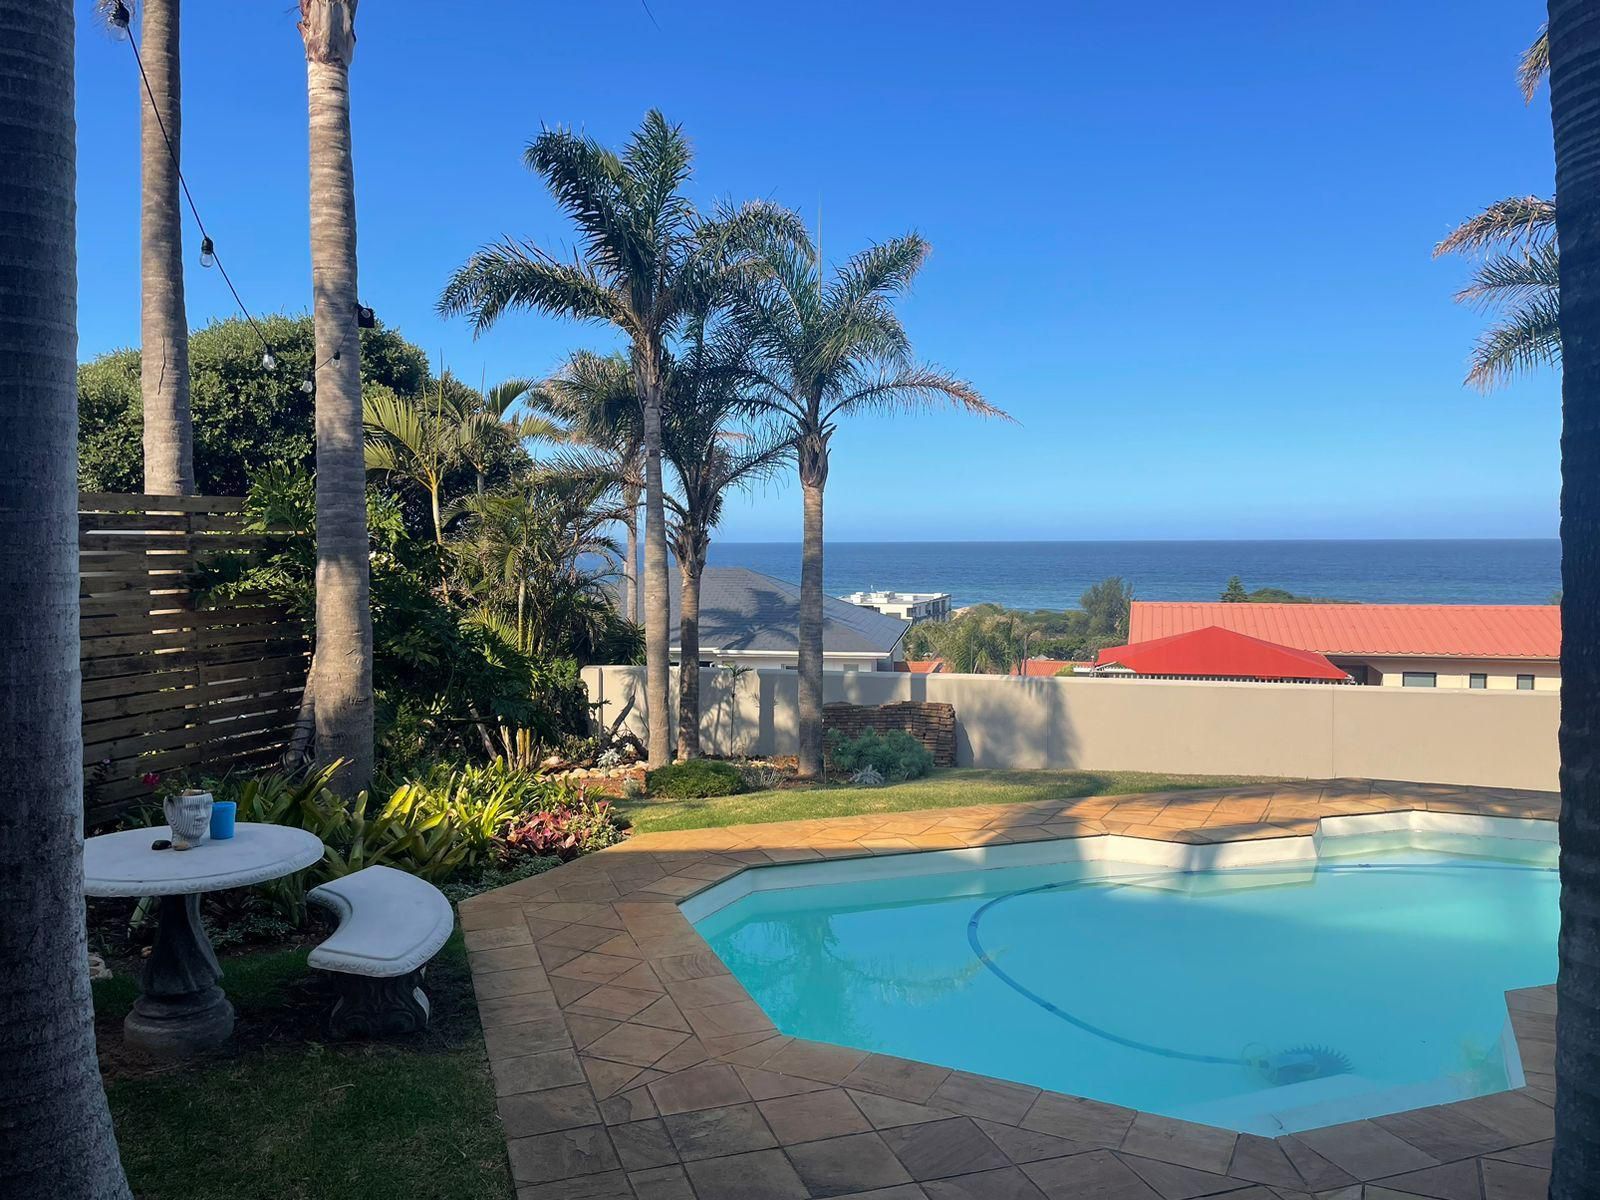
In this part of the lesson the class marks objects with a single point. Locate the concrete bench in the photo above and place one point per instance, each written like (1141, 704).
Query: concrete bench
(390, 925)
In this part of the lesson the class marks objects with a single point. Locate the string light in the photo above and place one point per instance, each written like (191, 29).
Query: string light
(122, 19)
(365, 318)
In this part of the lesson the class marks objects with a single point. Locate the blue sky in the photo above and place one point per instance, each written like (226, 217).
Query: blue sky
(1186, 246)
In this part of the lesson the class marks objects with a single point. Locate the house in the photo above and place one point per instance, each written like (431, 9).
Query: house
(908, 606)
(1495, 646)
(752, 620)
(1216, 653)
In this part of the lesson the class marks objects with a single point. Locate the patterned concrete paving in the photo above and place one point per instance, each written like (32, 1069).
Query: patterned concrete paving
(629, 1063)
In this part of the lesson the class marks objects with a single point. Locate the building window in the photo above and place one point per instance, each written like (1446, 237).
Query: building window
(1477, 681)
(1524, 683)
(1419, 679)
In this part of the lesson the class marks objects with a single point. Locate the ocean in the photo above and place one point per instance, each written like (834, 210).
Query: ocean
(1030, 575)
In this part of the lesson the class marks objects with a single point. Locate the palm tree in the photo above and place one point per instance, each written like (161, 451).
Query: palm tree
(163, 321)
(828, 349)
(420, 440)
(710, 456)
(1516, 279)
(342, 668)
(499, 426)
(595, 399)
(1574, 101)
(646, 253)
(58, 1138)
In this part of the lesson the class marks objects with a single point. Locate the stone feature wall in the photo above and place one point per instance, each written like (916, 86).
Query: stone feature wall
(932, 724)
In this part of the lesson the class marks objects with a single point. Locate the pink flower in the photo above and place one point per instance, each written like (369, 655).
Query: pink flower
(150, 779)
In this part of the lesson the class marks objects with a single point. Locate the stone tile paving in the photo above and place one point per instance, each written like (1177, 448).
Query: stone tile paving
(629, 1064)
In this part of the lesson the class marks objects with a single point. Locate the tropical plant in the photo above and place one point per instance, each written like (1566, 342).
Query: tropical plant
(694, 779)
(341, 666)
(420, 440)
(163, 323)
(827, 349)
(1517, 277)
(58, 1139)
(595, 399)
(503, 429)
(711, 454)
(1574, 57)
(646, 255)
(576, 824)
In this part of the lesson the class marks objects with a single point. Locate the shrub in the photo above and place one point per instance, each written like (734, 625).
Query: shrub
(565, 831)
(762, 777)
(895, 755)
(695, 779)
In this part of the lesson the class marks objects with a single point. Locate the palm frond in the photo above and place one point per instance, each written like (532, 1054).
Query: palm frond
(1534, 64)
(885, 269)
(914, 387)
(1516, 220)
(1527, 336)
(510, 275)
(503, 396)
(1511, 278)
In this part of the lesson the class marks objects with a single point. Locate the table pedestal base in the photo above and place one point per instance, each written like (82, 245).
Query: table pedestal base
(181, 1011)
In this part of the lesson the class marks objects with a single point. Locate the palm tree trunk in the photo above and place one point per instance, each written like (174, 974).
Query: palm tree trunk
(813, 478)
(657, 610)
(689, 571)
(1575, 111)
(630, 580)
(163, 324)
(344, 618)
(57, 1139)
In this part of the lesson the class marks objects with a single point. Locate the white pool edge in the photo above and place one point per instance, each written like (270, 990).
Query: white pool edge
(1334, 837)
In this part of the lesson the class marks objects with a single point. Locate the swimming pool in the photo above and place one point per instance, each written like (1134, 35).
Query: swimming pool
(1295, 984)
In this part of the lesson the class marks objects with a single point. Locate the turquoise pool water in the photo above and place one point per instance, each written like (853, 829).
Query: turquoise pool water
(1264, 999)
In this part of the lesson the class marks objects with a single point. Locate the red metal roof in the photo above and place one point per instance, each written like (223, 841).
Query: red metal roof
(1220, 654)
(1414, 630)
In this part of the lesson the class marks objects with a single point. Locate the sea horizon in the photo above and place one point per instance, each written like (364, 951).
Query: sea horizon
(1050, 574)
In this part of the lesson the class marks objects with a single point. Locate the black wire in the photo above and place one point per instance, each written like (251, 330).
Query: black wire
(189, 196)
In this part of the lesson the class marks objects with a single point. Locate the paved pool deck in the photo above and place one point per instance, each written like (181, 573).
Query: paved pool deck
(629, 1064)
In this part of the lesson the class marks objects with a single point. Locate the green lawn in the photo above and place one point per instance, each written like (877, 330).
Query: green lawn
(287, 1116)
(950, 788)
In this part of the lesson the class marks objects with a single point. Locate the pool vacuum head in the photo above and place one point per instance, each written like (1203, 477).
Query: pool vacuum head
(1299, 1065)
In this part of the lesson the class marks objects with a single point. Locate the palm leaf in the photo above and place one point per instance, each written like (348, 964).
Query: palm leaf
(1517, 220)
(1527, 336)
(1534, 64)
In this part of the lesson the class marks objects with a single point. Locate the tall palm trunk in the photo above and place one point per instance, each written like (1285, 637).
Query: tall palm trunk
(813, 479)
(690, 568)
(163, 324)
(344, 619)
(631, 607)
(657, 608)
(55, 1130)
(1575, 110)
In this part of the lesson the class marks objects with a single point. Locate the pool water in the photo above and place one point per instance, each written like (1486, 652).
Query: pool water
(1265, 999)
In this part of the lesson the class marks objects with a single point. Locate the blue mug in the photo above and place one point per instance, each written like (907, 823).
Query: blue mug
(222, 813)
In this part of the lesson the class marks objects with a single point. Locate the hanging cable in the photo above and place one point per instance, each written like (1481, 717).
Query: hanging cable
(123, 20)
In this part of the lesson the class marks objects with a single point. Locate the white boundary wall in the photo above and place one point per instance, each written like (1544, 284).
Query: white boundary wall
(1424, 735)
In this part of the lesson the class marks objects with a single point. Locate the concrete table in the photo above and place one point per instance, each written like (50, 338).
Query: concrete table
(180, 1009)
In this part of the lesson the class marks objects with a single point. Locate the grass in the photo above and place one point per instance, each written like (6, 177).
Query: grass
(288, 1116)
(948, 788)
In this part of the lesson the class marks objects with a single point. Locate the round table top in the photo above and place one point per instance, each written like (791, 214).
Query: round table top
(122, 864)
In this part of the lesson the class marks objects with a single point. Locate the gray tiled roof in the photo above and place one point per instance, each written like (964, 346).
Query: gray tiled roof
(742, 609)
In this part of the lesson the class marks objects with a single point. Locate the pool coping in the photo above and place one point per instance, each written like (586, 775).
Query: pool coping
(629, 1062)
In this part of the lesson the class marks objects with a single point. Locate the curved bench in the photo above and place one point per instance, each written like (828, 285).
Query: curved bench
(390, 925)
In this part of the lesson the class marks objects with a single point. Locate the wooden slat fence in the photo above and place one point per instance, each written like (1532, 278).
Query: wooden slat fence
(168, 685)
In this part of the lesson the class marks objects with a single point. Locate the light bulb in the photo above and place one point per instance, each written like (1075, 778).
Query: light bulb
(307, 386)
(119, 16)
(208, 253)
(268, 363)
